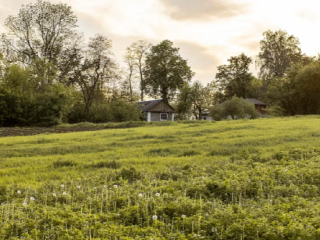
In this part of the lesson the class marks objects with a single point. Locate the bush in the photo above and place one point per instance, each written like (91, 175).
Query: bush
(116, 111)
(236, 108)
(45, 109)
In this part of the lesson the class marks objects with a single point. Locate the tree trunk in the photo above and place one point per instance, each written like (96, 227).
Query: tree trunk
(200, 113)
(141, 82)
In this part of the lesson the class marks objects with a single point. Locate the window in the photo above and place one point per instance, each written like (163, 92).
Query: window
(163, 117)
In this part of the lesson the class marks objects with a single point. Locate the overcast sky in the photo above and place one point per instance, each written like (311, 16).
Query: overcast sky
(207, 32)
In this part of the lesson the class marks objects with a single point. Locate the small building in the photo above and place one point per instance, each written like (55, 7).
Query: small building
(260, 106)
(157, 110)
(206, 116)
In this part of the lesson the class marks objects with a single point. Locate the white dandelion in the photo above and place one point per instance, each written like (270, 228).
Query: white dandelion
(62, 185)
(25, 204)
(79, 187)
(183, 216)
(64, 193)
(115, 186)
(19, 192)
(53, 194)
(154, 217)
(157, 194)
(140, 195)
(32, 198)
(105, 186)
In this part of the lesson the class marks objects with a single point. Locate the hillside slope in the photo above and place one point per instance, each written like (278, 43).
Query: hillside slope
(246, 179)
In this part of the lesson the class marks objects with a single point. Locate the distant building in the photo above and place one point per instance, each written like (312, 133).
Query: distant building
(157, 110)
(206, 116)
(260, 106)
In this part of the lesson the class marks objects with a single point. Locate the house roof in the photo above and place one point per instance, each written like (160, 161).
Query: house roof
(255, 101)
(145, 106)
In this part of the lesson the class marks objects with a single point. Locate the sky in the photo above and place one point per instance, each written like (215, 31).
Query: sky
(208, 32)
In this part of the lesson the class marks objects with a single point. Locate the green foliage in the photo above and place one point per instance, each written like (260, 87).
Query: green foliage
(298, 91)
(116, 111)
(236, 108)
(235, 80)
(165, 71)
(279, 52)
(194, 99)
(63, 163)
(108, 164)
(79, 185)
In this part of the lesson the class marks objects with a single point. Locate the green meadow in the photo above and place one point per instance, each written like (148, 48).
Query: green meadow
(243, 179)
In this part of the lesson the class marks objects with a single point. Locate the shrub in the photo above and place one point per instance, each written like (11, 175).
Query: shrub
(236, 108)
(116, 111)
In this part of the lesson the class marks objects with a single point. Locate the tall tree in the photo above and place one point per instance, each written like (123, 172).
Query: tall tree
(298, 91)
(40, 31)
(95, 68)
(196, 98)
(235, 79)
(140, 49)
(130, 73)
(278, 52)
(166, 71)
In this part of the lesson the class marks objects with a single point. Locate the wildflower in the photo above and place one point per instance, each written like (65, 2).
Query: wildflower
(62, 185)
(19, 192)
(202, 177)
(53, 194)
(140, 195)
(95, 187)
(105, 186)
(157, 194)
(154, 217)
(25, 204)
(32, 198)
(183, 216)
(115, 186)
(79, 187)
(64, 193)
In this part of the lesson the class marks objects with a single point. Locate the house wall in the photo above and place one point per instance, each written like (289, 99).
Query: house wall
(155, 117)
(260, 108)
(206, 117)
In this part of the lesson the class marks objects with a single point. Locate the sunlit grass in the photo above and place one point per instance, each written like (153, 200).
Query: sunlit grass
(228, 179)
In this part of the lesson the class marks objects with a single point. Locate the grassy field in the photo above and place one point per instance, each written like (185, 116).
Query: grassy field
(244, 179)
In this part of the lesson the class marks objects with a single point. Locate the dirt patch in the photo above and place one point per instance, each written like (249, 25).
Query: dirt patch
(19, 131)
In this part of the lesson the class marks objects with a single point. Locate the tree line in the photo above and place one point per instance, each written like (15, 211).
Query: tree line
(50, 74)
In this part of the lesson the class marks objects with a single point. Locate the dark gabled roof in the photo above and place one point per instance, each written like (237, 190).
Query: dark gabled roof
(255, 101)
(145, 106)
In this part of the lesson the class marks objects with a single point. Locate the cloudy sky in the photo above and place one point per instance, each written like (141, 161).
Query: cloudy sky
(207, 32)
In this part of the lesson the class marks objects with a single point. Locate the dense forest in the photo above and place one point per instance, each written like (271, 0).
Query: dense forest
(50, 73)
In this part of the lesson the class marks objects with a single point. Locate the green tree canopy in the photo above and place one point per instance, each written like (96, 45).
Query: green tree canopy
(278, 52)
(299, 90)
(166, 71)
(44, 31)
(234, 79)
(195, 98)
